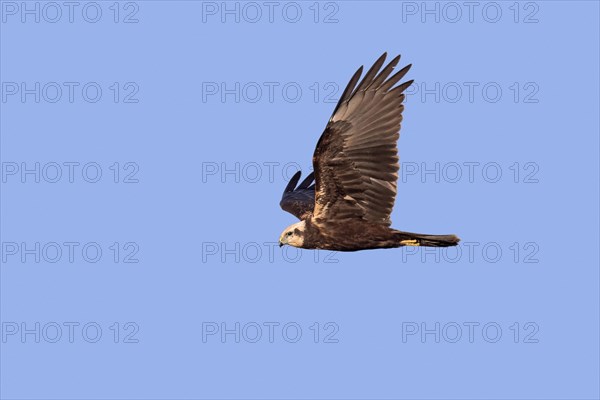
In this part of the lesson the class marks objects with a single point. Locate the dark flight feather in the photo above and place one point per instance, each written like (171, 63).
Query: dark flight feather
(299, 201)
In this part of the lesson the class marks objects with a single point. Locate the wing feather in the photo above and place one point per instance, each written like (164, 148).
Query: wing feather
(371, 73)
(356, 158)
(300, 200)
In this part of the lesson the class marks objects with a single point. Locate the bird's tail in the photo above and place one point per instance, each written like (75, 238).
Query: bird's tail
(417, 239)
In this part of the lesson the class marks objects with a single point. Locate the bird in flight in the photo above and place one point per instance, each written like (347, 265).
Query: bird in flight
(355, 163)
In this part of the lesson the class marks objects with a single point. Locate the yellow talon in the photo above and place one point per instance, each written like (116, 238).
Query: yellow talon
(411, 242)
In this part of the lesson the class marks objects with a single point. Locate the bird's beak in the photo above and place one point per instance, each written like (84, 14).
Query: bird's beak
(280, 243)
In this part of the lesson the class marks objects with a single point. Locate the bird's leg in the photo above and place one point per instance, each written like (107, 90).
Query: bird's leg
(411, 242)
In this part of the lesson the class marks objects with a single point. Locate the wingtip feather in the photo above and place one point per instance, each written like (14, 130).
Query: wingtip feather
(293, 182)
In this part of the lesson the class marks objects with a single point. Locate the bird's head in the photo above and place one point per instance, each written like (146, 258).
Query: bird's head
(293, 235)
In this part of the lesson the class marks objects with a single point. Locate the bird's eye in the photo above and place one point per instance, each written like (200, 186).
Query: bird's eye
(289, 233)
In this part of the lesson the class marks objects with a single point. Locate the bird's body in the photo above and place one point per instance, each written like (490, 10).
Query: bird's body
(355, 171)
(369, 235)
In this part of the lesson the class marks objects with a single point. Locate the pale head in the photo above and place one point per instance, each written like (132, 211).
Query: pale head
(293, 235)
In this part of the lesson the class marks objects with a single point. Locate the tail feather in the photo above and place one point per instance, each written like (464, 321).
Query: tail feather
(417, 239)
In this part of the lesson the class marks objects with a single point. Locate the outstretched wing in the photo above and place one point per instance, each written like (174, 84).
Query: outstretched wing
(299, 201)
(356, 158)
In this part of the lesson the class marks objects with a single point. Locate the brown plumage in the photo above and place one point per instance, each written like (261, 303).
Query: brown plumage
(356, 172)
